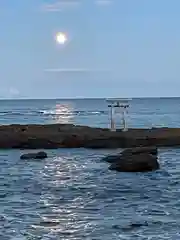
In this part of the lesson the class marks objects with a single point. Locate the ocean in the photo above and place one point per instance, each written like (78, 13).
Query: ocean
(72, 195)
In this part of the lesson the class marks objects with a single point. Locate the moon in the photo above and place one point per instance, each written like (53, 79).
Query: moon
(61, 38)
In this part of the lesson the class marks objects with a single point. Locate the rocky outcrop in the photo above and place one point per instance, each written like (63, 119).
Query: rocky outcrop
(138, 150)
(131, 152)
(134, 160)
(136, 163)
(35, 155)
(71, 136)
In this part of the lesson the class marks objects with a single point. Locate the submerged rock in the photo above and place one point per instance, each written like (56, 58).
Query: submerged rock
(136, 163)
(37, 155)
(133, 226)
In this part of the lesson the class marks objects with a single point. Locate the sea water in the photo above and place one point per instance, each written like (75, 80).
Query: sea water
(72, 194)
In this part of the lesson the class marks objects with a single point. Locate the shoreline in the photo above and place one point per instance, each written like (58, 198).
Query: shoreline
(53, 136)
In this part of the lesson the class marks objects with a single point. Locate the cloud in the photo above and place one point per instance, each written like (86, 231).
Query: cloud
(74, 70)
(104, 2)
(60, 5)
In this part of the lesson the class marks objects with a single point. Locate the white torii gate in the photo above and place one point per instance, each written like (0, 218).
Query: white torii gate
(122, 104)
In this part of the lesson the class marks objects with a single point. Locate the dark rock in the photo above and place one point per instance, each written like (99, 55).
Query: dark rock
(113, 158)
(136, 163)
(110, 143)
(37, 155)
(132, 226)
(130, 151)
(51, 136)
(137, 150)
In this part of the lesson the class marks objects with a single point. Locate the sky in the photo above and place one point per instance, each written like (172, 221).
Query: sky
(115, 48)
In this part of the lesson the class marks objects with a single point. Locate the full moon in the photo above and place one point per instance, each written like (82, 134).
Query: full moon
(61, 38)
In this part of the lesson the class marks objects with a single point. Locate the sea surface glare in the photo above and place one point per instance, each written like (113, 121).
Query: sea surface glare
(72, 195)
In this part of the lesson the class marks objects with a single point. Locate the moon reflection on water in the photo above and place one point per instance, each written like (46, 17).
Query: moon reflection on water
(62, 113)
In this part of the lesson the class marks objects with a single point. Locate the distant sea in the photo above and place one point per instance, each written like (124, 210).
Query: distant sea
(72, 195)
(146, 112)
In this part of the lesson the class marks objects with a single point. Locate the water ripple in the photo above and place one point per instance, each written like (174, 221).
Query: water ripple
(73, 195)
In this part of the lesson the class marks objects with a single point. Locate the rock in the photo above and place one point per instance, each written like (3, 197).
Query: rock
(113, 158)
(37, 155)
(52, 136)
(137, 150)
(135, 225)
(136, 163)
(132, 226)
(110, 143)
(130, 151)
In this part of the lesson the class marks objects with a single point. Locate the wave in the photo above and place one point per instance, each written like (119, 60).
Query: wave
(17, 113)
(51, 113)
(73, 113)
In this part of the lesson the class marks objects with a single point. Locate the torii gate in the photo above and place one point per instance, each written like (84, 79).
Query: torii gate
(121, 103)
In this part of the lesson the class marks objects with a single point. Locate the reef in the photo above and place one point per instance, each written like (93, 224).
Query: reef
(73, 136)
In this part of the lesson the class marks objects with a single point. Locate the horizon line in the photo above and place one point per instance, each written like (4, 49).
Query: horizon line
(88, 98)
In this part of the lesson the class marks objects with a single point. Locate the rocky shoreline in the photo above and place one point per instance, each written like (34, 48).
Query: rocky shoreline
(73, 136)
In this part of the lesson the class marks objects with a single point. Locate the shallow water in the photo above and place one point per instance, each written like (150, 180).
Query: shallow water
(73, 195)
